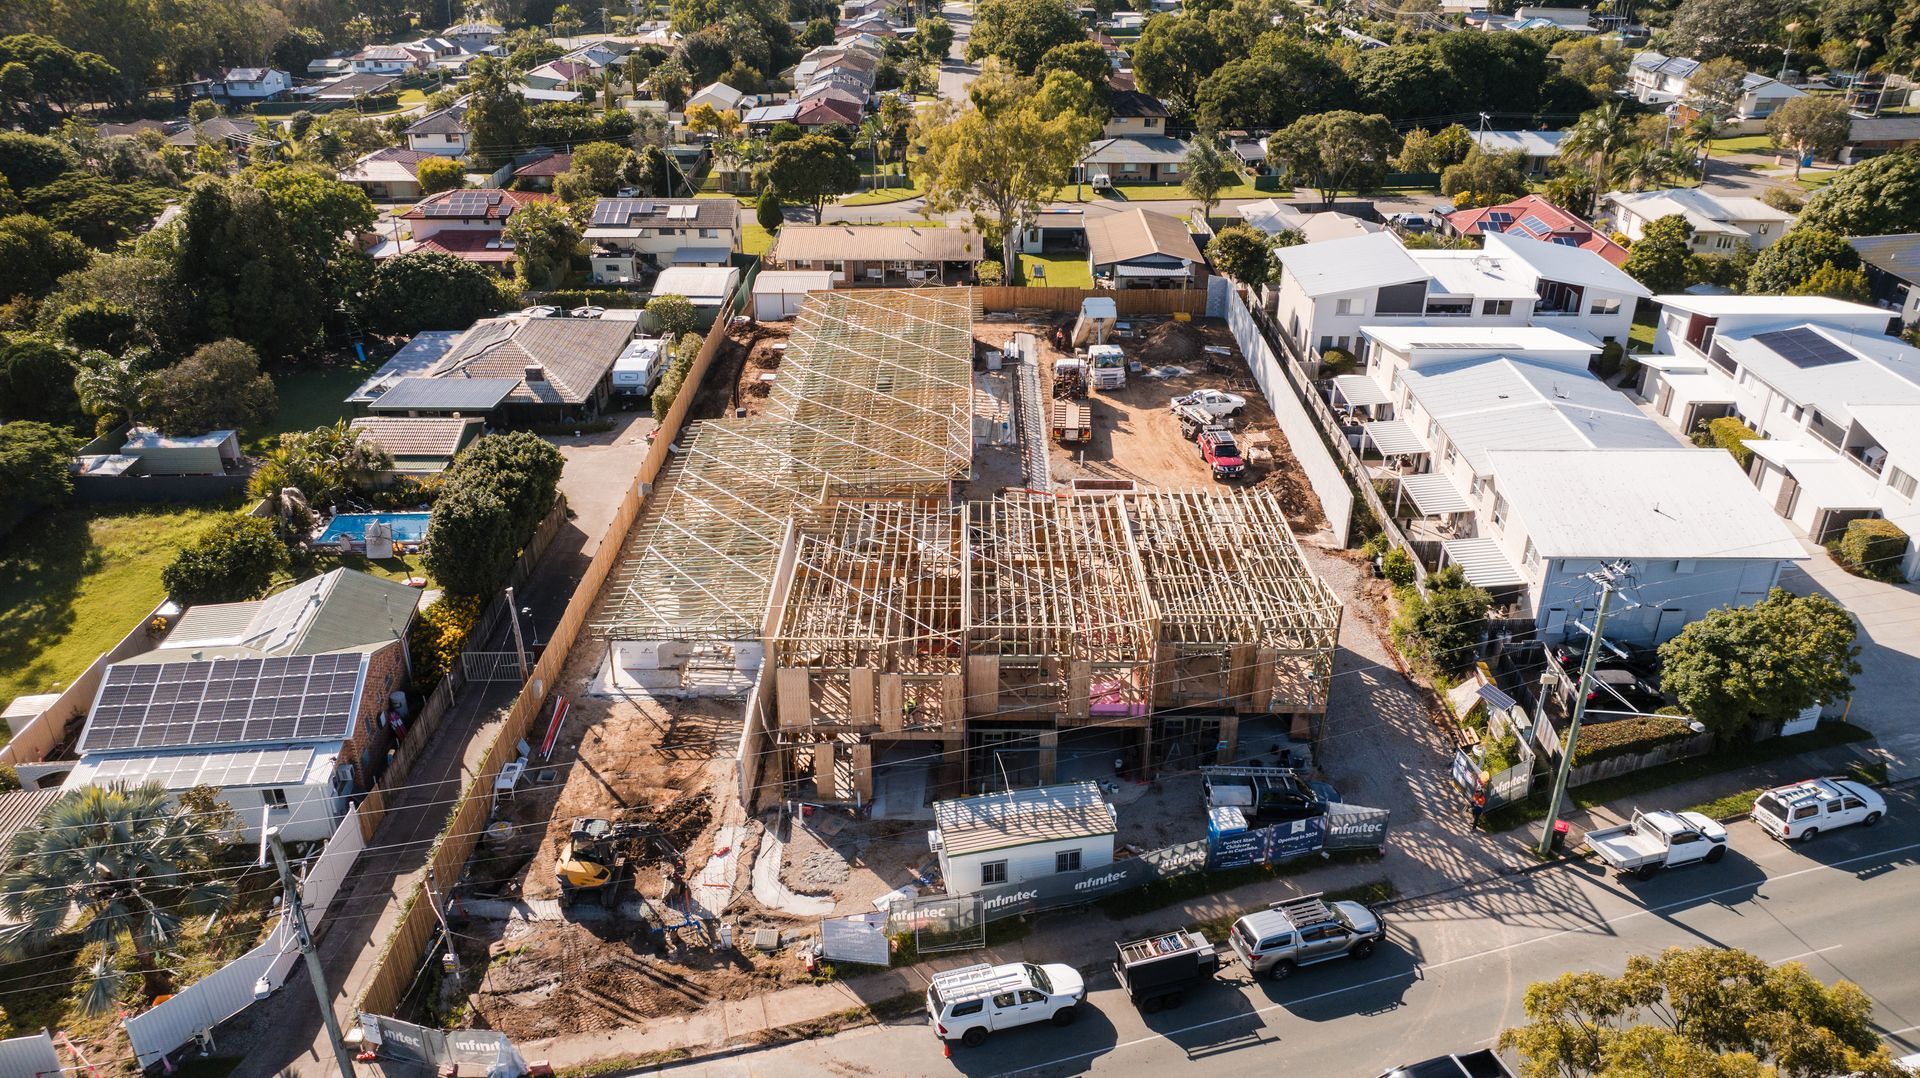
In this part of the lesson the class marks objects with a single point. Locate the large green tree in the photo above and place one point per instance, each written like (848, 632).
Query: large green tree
(1335, 151)
(1008, 151)
(1243, 253)
(491, 500)
(245, 273)
(1659, 259)
(1879, 197)
(1810, 125)
(1705, 29)
(233, 560)
(36, 381)
(496, 114)
(545, 239)
(812, 170)
(219, 387)
(1796, 256)
(129, 865)
(324, 464)
(1174, 55)
(102, 212)
(1701, 1012)
(1273, 89)
(423, 290)
(1763, 663)
(113, 389)
(34, 254)
(1485, 179)
(36, 463)
(1021, 31)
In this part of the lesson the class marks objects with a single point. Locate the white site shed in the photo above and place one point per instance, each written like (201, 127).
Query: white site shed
(777, 294)
(1021, 835)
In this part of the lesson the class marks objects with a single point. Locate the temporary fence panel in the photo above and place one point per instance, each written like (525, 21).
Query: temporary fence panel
(1350, 827)
(447, 1049)
(493, 665)
(30, 1057)
(1303, 437)
(231, 989)
(939, 922)
(1281, 842)
(861, 939)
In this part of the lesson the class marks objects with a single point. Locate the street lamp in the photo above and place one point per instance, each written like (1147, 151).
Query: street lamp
(1792, 29)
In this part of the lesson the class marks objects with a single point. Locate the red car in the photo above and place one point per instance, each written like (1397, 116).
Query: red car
(1218, 449)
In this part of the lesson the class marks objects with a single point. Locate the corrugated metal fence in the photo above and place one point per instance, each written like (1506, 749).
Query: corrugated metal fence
(29, 1057)
(230, 989)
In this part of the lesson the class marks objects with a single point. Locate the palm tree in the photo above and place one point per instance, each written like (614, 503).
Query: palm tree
(324, 464)
(130, 862)
(1600, 135)
(1705, 128)
(1640, 166)
(112, 390)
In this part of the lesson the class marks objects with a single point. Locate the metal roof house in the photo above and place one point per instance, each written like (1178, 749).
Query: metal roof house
(1021, 834)
(513, 369)
(419, 446)
(1140, 249)
(280, 702)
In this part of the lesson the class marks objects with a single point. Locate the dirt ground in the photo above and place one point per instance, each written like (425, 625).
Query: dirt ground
(854, 861)
(1135, 435)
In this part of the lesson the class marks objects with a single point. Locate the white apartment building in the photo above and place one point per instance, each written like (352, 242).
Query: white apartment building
(1327, 292)
(1835, 400)
(1721, 223)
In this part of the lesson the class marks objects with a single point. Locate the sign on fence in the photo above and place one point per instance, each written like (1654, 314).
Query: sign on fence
(1065, 888)
(1350, 827)
(1240, 850)
(1280, 842)
(861, 939)
(409, 1043)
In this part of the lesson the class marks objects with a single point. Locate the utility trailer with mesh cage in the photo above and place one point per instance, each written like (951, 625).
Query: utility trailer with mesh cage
(1157, 971)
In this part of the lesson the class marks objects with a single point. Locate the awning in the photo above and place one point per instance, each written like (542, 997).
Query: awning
(1126, 270)
(1393, 438)
(1434, 495)
(1358, 389)
(1483, 561)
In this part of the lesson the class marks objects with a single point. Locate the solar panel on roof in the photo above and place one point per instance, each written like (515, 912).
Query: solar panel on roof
(1534, 225)
(159, 705)
(1804, 348)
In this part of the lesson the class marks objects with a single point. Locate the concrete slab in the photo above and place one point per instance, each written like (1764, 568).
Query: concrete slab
(773, 894)
(712, 889)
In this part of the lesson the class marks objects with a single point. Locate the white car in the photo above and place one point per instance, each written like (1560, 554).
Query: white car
(1798, 812)
(969, 1004)
(1213, 401)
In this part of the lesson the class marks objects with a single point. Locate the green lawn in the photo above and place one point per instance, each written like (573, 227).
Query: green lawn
(1071, 271)
(755, 240)
(1814, 181)
(882, 196)
(309, 398)
(1640, 337)
(749, 201)
(1162, 192)
(1743, 144)
(74, 580)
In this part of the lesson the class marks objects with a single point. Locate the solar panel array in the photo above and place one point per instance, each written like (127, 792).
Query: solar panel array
(253, 767)
(1804, 348)
(464, 204)
(619, 211)
(225, 702)
(1497, 221)
(1534, 225)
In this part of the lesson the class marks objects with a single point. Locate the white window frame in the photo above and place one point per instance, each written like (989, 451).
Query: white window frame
(1500, 509)
(1343, 306)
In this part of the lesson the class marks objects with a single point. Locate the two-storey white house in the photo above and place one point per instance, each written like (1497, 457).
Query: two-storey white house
(1721, 223)
(444, 132)
(1328, 291)
(634, 237)
(1835, 400)
(1657, 79)
(1536, 472)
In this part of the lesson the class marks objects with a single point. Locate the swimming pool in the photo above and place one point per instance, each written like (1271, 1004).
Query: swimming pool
(407, 527)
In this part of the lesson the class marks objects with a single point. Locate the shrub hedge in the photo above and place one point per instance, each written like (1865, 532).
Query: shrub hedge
(1628, 737)
(439, 634)
(1872, 548)
(1731, 435)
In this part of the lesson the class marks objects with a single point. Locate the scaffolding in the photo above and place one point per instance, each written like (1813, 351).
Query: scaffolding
(1061, 623)
(1244, 623)
(872, 630)
(874, 397)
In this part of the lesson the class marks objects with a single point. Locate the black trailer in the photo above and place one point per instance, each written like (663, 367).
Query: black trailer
(1156, 972)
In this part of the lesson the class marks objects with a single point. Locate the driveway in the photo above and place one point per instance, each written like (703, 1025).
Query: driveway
(1885, 691)
(956, 74)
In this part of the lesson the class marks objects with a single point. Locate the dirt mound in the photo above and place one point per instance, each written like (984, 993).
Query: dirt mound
(1172, 342)
(681, 820)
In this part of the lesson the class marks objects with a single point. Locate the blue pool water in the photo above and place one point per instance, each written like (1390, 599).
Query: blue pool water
(407, 527)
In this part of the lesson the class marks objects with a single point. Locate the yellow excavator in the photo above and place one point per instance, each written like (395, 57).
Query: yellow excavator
(599, 855)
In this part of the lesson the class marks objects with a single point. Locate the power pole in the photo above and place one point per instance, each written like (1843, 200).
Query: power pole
(519, 646)
(342, 1058)
(1608, 577)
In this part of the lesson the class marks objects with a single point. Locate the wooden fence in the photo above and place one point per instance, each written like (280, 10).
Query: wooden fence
(407, 945)
(1128, 301)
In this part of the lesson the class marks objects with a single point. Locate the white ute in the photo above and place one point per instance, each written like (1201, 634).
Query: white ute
(1213, 401)
(1656, 840)
(1798, 812)
(968, 1004)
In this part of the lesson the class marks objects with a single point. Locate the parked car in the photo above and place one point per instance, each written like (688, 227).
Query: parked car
(1221, 453)
(1214, 401)
(1265, 798)
(1622, 688)
(1652, 841)
(1157, 971)
(969, 1004)
(1411, 222)
(1303, 932)
(1798, 812)
(1482, 1064)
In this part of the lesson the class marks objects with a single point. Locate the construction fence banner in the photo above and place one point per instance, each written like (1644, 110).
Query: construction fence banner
(1280, 842)
(443, 1048)
(1065, 888)
(861, 938)
(1351, 827)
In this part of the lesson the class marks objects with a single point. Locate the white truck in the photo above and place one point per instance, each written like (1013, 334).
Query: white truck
(1652, 841)
(1109, 365)
(970, 1003)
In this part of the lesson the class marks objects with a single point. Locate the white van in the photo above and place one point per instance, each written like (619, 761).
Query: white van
(1798, 812)
(968, 1004)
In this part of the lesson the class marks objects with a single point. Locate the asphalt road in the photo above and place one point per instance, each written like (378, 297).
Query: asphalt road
(955, 72)
(1457, 966)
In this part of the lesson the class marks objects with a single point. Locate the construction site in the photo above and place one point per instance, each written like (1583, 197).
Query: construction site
(880, 585)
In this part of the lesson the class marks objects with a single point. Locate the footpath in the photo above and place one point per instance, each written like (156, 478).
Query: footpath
(738, 1026)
